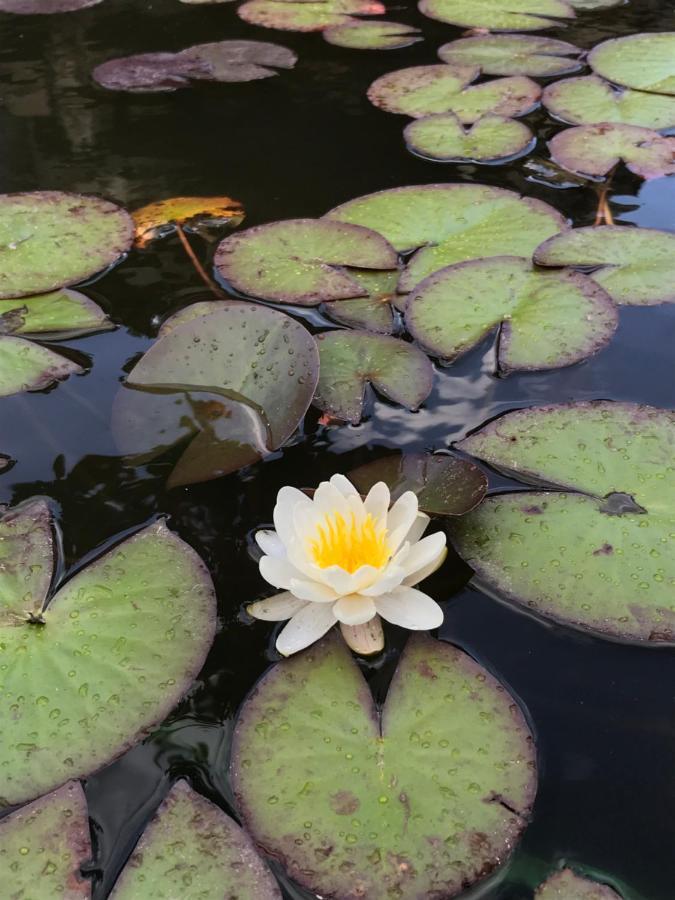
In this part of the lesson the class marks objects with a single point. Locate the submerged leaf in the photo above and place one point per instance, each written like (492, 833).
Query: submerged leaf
(156, 220)
(590, 101)
(374, 312)
(491, 139)
(372, 35)
(61, 314)
(25, 366)
(306, 15)
(567, 885)
(595, 149)
(496, 15)
(513, 54)
(645, 62)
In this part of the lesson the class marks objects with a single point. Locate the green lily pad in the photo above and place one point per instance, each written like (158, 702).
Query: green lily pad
(636, 266)
(591, 101)
(44, 7)
(452, 223)
(374, 312)
(306, 15)
(492, 139)
(596, 149)
(301, 261)
(513, 54)
(352, 359)
(192, 843)
(545, 319)
(420, 800)
(61, 314)
(497, 15)
(51, 239)
(26, 560)
(43, 845)
(25, 366)
(372, 35)
(645, 62)
(425, 90)
(594, 556)
(567, 885)
(444, 485)
(89, 674)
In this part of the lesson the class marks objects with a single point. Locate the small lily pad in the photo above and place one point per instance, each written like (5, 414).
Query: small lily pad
(420, 800)
(591, 101)
(44, 7)
(567, 885)
(199, 214)
(301, 261)
(636, 266)
(645, 62)
(513, 54)
(372, 313)
(492, 139)
(306, 15)
(52, 239)
(546, 319)
(26, 366)
(372, 35)
(61, 314)
(496, 15)
(595, 149)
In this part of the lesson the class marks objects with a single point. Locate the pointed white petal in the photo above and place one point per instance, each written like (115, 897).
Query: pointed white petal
(428, 570)
(365, 639)
(277, 608)
(418, 527)
(424, 552)
(288, 499)
(343, 582)
(312, 591)
(270, 544)
(278, 572)
(400, 520)
(409, 608)
(377, 502)
(343, 485)
(306, 626)
(389, 579)
(354, 609)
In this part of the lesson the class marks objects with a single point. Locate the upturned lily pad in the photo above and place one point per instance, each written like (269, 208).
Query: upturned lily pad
(452, 223)
(25, 366)
(199, 214)
(420, 800)
(546, 319)
(492, 139)
(595, 149)
(372, 35)
(89, 674)
(498, 15)
(444, 485)
(425, 90)
(513, 54)
(595, 553)
(591, 100)
(352, 359)
(645, 62)
(50, 239)
(60, 314)
(374, 312)
(636, 266)
(301, 261)
(306, 15)
(567, 885)
(44, 7)
(192, 843)
(43, 845)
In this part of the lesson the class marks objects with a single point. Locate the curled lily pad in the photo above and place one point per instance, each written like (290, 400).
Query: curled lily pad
(596, 149)
(306, 15)
(645, 62)
(591, 100)
(372, 35)
(497, 15)
(352, 359)
(513, 54)
(567, 885)
(26, 366)
(452, 223)
(301, 261)
(64, 313)
(491, 139)
(50, 239)
(636, 266)
(44, 7)
(43, 846)
(425, 90)
(374, 312)
(157, 220)
(546, 319)
(192, 842)
(420, 800)
(593, 555)
(445, 485)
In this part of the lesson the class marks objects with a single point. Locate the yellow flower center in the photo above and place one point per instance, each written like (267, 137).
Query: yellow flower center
(350, 544)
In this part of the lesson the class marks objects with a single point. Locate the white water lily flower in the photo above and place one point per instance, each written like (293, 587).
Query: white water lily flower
(339, 558)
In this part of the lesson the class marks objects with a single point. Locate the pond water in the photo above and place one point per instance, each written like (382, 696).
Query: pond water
(295, 146)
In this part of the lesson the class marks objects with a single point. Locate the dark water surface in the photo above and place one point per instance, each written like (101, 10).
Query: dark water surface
(296, 145)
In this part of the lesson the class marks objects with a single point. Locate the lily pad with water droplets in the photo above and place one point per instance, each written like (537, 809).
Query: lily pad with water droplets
(61, 314)
(26, 366)
(591, 100)
(595, 150)
(44, 7)
(567, 885)
(374, 312)
(372, 35)
(498, 15)
(492, 139)
(419, 800)
(199, 214)
(350, 360)
(636, 266)
(306, 15)
(595, 553)
(645, 62)
(513, 54)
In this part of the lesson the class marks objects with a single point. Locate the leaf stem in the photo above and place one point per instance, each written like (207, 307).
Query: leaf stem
(201, 271)
(604, 215)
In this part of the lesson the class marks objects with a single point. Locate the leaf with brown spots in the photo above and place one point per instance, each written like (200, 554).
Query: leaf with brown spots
(157, 220)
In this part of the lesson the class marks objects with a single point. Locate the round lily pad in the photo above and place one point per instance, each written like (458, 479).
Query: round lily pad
(591, 100)
(306, 15)
(50, 239)
(513, 54)
(595, 149)
(594, 554)
(63, 313)
(645, 62)
(352, 359)
(44, 7)
(372, 35)
(372, 313)
(492, 139)
(420, 800)
(25, 366)
(452, 223)
(546, 319)
(636, 266)
(425, 90)
(301, 261)
(568, 885)
(495, 15)
(144, 73)
(199, 214)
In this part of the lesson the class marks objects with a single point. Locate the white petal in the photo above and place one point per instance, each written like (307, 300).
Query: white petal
(426, 551)
(421, 574)
(418, 527)
(328, 500)
(409, 608)
(306, 626)
(277, 608)
(354, 609)
(288, 499)
(392, 576)
(278, 572)
(365, 639)
(400, 520)
(343, 582)
(377, 502)
(343, 485)
(270, 543)
(312, 591)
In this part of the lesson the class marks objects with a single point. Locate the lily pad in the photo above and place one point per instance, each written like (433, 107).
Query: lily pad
(420, 800)
(425, 90)
(301, 261)
(352, 359)
(591, 100)
(492, 139)
(567, 885)
(306, 15)
(498, 15)
(546, 319)
(636, 266)
(105, 660)
(191, 842)
(157, 220)
(25, 366)
(595, 149)
(60, 314)
(444, 485)
(374, 312)
(513, 54)
(44, 7)
(645, 62)
(51, 239)
(43, 845)
(372, 35)
(593, 555)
